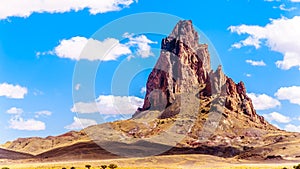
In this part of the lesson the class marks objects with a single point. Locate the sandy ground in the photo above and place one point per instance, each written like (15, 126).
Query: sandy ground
(157, 162)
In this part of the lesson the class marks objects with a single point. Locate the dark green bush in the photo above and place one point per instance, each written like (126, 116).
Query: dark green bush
(297, 166)
(112, 166)
(103, 166)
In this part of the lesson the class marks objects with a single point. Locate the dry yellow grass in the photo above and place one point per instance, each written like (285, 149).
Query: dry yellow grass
(156, 162)
(97, 167)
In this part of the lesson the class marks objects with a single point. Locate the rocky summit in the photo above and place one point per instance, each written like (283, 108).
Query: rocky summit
(184, 65)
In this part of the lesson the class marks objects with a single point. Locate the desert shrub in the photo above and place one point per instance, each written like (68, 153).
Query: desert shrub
(103, 166)
(72, 168)
(5, 168)
(297, 166)
(112, 166)
(64, 168)
(88, 166)
(284, 168)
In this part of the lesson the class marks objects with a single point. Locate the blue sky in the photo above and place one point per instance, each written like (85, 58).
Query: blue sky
(41, 66)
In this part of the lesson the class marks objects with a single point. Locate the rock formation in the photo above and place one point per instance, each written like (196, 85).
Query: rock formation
(185, 64)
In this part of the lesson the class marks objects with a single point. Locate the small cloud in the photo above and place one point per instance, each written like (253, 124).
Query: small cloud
(292, 128)
(37, 92)
(275, 116)
(77, 86)
(80, 123)
(15, 111)
(142, 43)
(263, 101)
(39, 54)
(250, 41)
(248, 75)
(109, 104)
(292, 94)
(143, 90)
(272, 0)
(43, 113)
(18, 123)
(256, 63)
(283, 8)
(12, 91)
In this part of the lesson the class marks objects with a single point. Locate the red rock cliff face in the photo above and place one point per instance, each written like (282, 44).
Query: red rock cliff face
(184, 64)
(237, 101)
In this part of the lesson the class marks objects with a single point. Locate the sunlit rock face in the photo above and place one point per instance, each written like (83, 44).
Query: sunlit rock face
(185, 64)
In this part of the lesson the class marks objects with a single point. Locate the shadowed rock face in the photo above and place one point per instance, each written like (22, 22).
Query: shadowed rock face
(8, 154)
(183, 65)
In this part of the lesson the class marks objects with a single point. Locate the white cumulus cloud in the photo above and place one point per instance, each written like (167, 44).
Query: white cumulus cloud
(292, 128)
(77, 48)
(24, 8)
(80, 123)
(12, 91)
(109, 104)
(292, 94)
(263, 101)
(141, 43)
(275, 116)
(256, 63)
(15, 111)
(18, 123)
(280, 35)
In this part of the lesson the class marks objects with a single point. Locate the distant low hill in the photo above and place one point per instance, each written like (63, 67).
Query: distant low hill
(37, 145)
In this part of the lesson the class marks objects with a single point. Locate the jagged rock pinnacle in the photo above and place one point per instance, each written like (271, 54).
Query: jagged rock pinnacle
(184, 64)
(185, 32)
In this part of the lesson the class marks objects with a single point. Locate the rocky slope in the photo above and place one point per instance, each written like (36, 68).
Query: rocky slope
(11, 155)
(37, 145)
